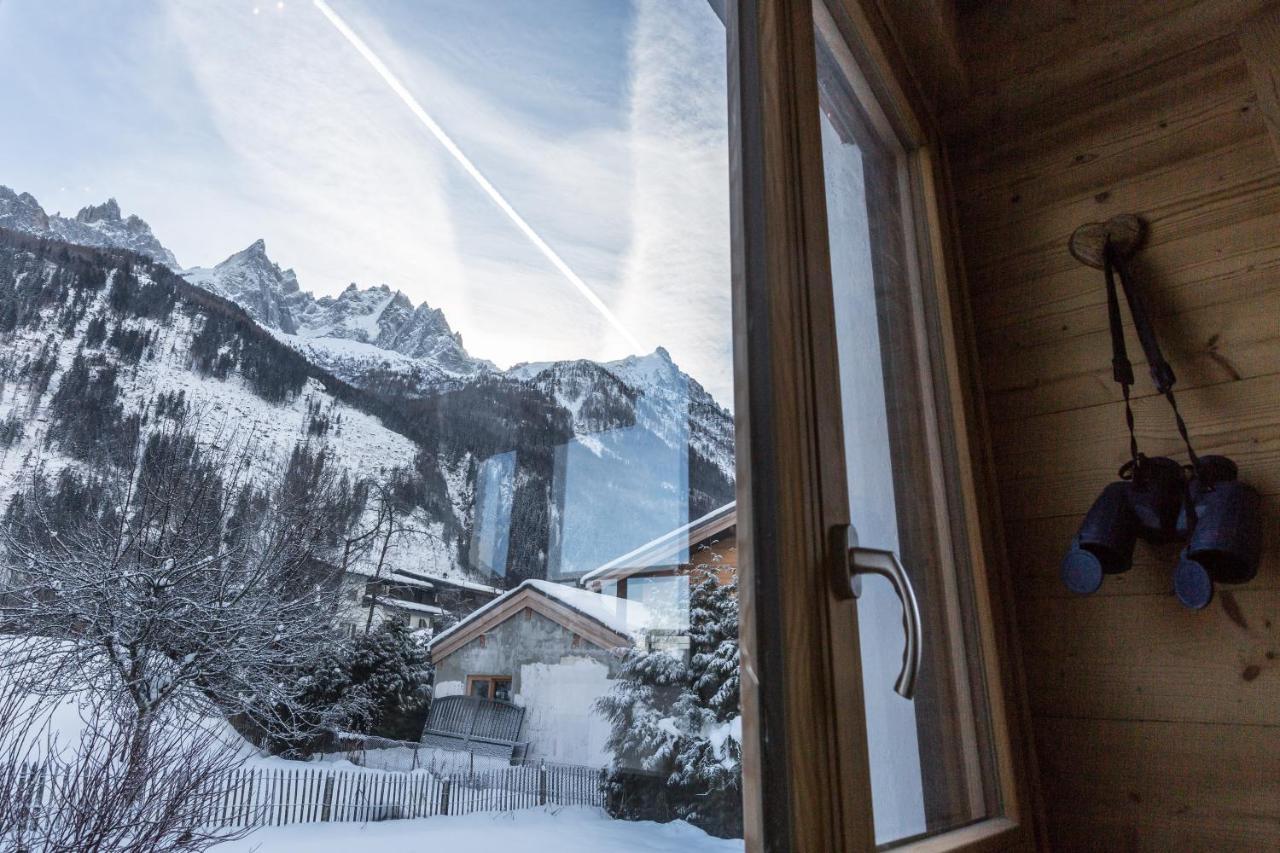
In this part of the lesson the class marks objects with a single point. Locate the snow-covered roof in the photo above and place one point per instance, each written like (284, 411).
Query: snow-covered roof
(623, 618)
(629, 618)
(398, 576)
(471, 585)
(659, 551)
(423, 581)
(412, 606)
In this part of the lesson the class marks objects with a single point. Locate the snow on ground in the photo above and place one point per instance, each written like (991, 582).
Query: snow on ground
(570, 830)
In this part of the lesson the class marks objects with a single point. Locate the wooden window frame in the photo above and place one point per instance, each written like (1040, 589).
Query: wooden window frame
(493, 683)
(802, 721)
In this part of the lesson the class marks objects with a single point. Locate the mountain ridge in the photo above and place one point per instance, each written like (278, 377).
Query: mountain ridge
(101, 226)
(634, 433)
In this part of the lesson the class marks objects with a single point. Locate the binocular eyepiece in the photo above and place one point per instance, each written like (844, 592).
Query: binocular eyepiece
(1217, 515)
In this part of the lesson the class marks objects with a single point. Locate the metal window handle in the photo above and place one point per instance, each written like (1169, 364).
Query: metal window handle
(875, 561)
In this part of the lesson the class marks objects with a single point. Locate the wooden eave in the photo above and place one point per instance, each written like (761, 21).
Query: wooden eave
(591, 630)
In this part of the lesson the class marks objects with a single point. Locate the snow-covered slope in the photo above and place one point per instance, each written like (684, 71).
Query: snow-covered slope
(141, 345)
(567, 449)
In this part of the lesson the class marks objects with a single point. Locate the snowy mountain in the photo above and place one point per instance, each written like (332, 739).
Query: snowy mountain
(546, 454)
(98, 225)
(372, 337)
(100, 348)
(251, 280)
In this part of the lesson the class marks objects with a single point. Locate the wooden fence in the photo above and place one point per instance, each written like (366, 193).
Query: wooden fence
(262, 796)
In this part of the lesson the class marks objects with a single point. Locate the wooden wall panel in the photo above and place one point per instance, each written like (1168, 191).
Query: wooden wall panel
(1156, 728)
(1122, 785)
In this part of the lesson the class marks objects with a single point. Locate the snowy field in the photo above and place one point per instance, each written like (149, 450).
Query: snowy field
(571, 830)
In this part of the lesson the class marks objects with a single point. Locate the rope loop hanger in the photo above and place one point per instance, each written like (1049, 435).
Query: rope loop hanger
(1109, 246)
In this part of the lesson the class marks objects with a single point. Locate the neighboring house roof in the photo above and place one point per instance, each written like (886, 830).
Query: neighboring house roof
(409, 606)
(604, 620)
(461, 584)
(421, 581)
(663, 550)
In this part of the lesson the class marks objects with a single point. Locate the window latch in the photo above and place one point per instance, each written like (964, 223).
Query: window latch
(859, 561)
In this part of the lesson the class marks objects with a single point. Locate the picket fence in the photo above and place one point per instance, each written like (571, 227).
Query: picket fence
(262, 796)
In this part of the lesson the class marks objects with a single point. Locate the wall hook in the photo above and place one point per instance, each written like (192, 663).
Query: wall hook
(1124, 232)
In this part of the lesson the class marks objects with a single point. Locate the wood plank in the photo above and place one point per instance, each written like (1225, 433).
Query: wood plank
(1234, 169)
(1146, 131)
(1036, 546)
(1224, 342)
(1107, 50)
(1178, 240)
(1153, 786)
(1260, 43)
(1145, 657)
(1006, 222)
(1081, 111)
(1214, 68)
(1056, 464)
(1036, 34)
(1235, 263)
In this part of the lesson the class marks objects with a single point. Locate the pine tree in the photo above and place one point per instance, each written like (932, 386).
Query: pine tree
(384, 676)
(391, 665)
(676, 725)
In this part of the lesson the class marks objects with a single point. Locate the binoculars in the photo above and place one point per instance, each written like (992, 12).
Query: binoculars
(1156, 500)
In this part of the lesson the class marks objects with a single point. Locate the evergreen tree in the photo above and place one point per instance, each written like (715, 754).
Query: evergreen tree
(676, 725)
(384, 676)
(392, 667)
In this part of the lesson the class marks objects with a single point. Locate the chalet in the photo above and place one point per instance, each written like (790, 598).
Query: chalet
(520, 675)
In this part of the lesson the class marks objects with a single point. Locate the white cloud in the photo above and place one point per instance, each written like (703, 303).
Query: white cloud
(332, 170)
(326, 163)
(677, 278)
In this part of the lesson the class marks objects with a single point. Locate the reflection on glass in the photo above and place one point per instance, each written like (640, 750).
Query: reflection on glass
(930, 756)
(893, 744)
(495, 494)
(432, 298)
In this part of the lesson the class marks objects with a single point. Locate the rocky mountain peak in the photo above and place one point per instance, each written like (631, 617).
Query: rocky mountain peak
(21, 212)
(256, 283)
(108, 211)
(97, 225)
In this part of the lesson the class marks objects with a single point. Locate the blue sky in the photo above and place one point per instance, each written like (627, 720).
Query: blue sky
(601, 121)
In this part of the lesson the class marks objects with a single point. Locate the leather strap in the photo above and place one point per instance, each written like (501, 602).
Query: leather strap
(1122, 369)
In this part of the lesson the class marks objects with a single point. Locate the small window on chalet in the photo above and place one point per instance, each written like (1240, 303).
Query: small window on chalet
(490, 687)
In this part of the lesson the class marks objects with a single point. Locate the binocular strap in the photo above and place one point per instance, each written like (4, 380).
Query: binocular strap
(1122, 369)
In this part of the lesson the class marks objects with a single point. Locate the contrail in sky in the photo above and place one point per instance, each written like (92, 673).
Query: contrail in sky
(449, 145)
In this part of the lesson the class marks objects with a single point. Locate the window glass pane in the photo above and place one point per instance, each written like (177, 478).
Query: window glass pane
(930, 760)
(380, 352)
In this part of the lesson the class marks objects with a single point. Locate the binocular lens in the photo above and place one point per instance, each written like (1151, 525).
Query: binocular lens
(1218, 515)
(1192, 584)
(1104, 545)
(1225, 533)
